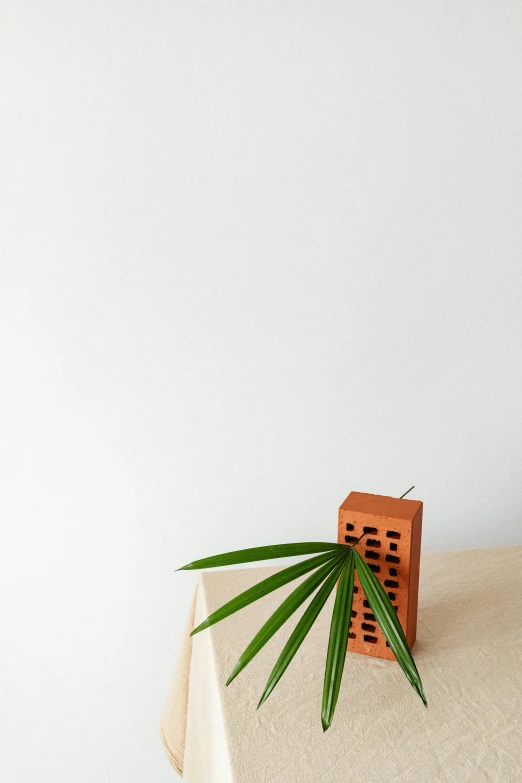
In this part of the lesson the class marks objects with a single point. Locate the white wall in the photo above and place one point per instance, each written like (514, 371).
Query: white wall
(254, 255)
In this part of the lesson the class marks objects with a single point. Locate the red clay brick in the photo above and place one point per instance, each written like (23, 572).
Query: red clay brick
(394, 542)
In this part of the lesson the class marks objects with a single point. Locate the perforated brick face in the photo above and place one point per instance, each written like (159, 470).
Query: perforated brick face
(392, 550)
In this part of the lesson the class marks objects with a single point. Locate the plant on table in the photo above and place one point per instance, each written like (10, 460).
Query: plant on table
(332, 564)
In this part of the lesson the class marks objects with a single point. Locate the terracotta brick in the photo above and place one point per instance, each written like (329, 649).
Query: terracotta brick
(392, 549)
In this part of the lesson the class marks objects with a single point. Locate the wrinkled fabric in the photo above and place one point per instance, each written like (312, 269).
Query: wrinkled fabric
(174, 718)
(468, 652)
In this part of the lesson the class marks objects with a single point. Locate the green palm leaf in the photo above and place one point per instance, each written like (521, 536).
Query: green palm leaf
(263, 588)
(338, 642)
(388, 621)
(281, 615)
(300, 631)
(263, 553)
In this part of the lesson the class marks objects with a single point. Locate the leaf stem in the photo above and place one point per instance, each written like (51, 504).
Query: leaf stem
(407, 491)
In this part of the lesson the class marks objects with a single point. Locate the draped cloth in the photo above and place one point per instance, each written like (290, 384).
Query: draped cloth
(468, 652)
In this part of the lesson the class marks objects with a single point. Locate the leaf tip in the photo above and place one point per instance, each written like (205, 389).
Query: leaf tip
(325, 723)
(420, 691)
(232, 677)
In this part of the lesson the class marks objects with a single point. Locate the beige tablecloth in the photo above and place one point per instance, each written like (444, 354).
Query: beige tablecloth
(468, 651)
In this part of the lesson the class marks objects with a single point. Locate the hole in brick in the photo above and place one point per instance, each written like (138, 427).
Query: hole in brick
(352, 636)
(368, 627)
(369, 616)
(393, 547)
(355, 589)
(372, 555)
(371, 639)
(392, 596)
(349, 526)
(366, 604)
(370, 530)
(392, 534)
(350, 539)
(390, 583)
(393, 572)
(387, 645)
(392, 559)
(374, 542)
(375, 568)
(396, 608)
(354, 613)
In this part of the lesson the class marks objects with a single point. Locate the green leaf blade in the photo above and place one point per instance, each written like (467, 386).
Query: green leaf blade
(264, 587)
(300, 632)
(281, 615)
(389, 624)
(264, 553)
(338, 641)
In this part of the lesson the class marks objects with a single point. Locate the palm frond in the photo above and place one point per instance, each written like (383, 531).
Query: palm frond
(300, 631)
(389, 624)
(281, 615)
(338, 642)
(263, 588)
(263, 553)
